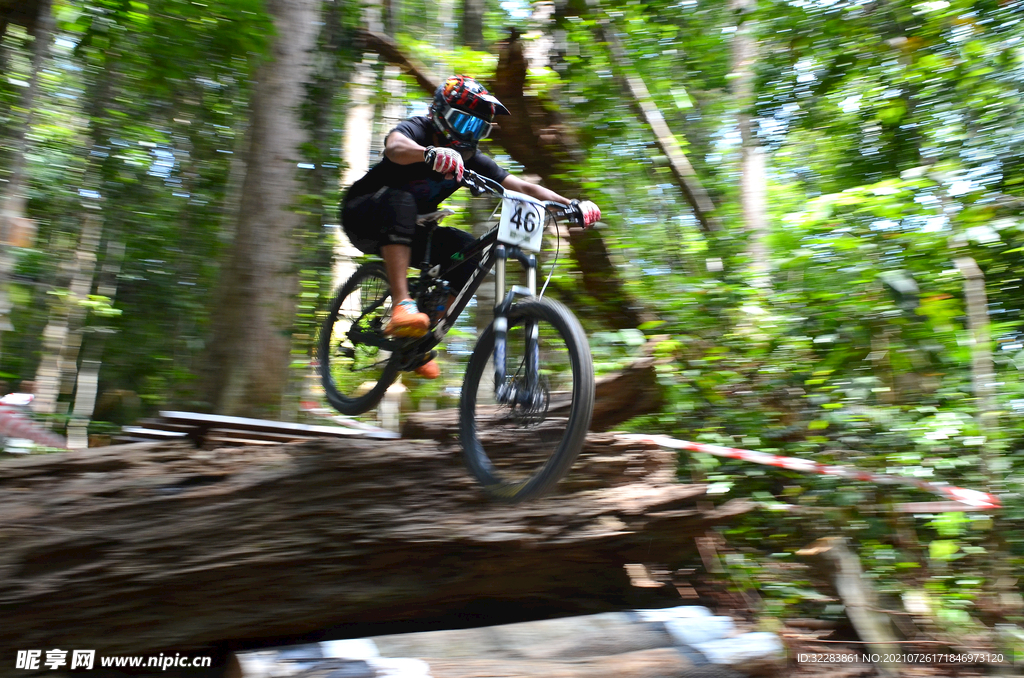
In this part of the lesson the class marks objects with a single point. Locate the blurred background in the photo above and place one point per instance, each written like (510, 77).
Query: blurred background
(812, 220)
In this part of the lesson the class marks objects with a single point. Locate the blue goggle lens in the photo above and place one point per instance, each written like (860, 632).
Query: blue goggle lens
(467, 125)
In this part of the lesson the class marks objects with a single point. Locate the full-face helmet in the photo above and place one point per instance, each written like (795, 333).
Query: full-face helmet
(463, 111)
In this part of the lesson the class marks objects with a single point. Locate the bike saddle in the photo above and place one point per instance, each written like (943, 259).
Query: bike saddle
(434, 217)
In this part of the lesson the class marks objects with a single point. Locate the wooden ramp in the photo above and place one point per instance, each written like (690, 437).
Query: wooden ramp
(677, 642)
(213, 430)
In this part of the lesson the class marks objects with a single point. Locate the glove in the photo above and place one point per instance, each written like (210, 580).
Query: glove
(590, 212)
(444, 160)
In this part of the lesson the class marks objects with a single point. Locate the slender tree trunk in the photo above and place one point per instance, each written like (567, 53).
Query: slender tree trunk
(62, 337)
(982, 369)
(471, 34)
(445, 19)
(753, 180)
(358, 138)
(250, 351)
(685, 176)
(12, 208)
(471, 28)
(392, 9)
(87, 383)
(15, 228)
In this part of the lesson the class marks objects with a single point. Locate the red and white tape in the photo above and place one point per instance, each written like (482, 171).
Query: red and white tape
(15, 425)
(973, 498)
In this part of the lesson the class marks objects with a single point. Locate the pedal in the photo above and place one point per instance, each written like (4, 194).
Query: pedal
(419, 361)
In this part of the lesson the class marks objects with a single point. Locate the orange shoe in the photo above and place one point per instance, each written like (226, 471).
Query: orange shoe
(407, 321)
(426, 366)
(429, 370)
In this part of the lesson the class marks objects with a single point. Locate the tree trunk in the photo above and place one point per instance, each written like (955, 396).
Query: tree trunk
(87, 383)
(20, 12)
(753, 180)
(62, 337)
(982, 370)
(12, 208)
(536, 136)
(141, 548)
(15, 228)
(392, 16)
(682, 170)
(471, 28)
(250, 350)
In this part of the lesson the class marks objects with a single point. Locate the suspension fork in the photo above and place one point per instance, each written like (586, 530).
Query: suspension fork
(505, 391)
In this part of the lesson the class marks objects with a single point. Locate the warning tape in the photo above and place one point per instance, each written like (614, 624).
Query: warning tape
(15, 425)
(973, 498)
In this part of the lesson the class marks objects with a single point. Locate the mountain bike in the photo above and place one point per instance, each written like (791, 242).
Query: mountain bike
(528, 391)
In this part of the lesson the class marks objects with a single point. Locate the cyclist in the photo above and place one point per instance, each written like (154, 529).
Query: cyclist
(423, 162)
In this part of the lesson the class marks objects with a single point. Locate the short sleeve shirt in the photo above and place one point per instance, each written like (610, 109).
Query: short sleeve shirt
(427, 187)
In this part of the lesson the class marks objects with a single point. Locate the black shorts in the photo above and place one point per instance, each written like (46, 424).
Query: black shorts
(388, 217)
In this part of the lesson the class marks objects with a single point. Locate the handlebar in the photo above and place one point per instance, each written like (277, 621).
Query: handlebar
(479, 184)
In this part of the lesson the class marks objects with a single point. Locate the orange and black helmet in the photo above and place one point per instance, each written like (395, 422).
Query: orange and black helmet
(463, 111)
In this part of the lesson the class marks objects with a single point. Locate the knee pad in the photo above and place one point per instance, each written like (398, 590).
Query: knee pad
(400, 228)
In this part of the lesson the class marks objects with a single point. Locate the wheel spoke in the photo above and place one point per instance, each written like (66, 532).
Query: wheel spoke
(522, 440)
(354, 369)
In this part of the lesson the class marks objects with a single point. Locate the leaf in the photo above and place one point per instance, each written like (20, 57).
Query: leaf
(942, 549)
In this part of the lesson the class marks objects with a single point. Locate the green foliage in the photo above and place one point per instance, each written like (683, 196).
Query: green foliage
(892, 134)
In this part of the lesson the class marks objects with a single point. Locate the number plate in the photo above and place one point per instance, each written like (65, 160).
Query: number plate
(522, 221)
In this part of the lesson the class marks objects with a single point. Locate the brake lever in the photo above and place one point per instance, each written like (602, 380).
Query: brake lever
(478, 185)
(572, 213)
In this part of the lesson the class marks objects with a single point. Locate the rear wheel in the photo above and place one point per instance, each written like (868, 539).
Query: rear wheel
(521, 438)
(356, 365)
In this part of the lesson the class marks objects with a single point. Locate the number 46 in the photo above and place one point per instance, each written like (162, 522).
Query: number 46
(526, 222)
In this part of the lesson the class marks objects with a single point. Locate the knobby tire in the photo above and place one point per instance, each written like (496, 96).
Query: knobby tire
(557, 465)
(342, 398)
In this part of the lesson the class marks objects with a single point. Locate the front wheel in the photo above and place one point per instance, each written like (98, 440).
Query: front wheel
(356, 365)
(521, 436)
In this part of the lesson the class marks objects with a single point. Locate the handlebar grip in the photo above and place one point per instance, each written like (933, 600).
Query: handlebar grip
(575, 213)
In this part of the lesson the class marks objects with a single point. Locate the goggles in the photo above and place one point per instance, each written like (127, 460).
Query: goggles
(467, 126)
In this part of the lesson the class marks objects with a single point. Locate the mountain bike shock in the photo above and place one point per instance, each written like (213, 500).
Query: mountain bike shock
(501, 387)
(532, 332)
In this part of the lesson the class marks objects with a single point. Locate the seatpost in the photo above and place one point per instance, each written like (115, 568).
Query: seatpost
(431, 225)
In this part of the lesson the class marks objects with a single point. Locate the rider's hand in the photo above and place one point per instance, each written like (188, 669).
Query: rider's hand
(447, 161)
(590, 213)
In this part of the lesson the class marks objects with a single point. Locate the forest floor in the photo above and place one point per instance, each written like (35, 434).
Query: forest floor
(807, 648)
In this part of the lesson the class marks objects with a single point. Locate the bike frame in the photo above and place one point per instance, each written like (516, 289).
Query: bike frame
(490, 253)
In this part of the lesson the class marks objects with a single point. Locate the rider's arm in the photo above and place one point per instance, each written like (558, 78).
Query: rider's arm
(537, 191)
(402, 150)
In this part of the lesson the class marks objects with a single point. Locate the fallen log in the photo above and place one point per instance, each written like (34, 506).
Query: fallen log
(155, 546)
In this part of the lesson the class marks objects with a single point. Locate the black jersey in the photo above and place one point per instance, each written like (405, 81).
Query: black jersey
(428, 187)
